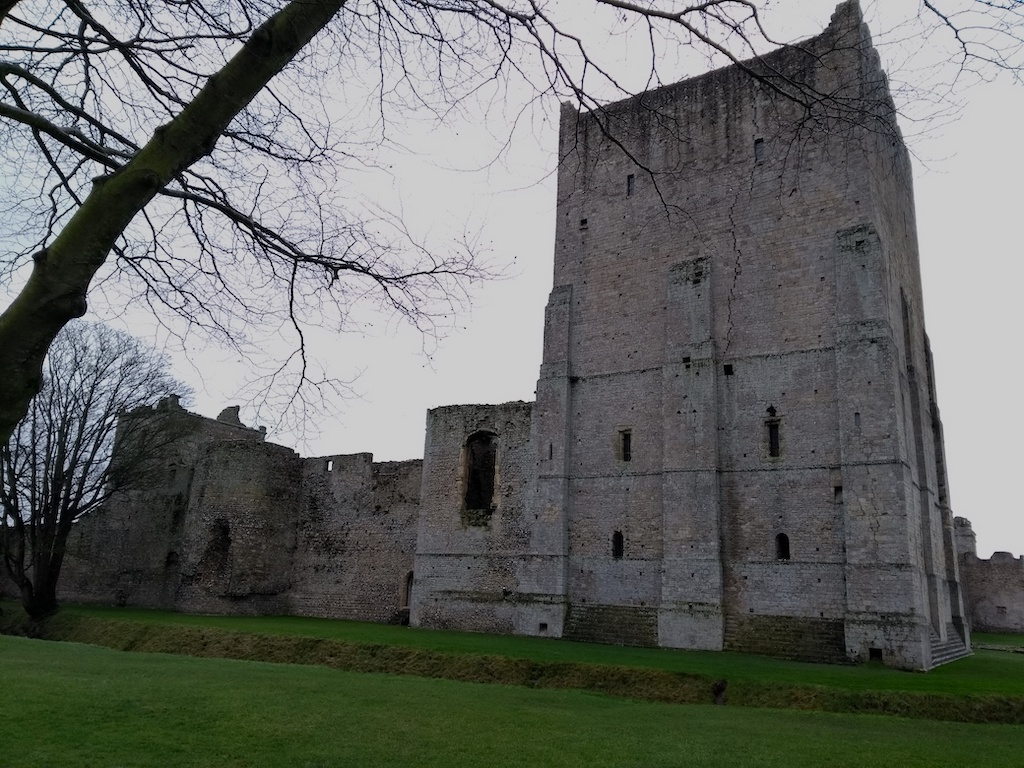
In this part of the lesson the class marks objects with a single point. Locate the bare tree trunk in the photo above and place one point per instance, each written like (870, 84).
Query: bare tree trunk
(56, 290)
(6, 6)
(39, 595)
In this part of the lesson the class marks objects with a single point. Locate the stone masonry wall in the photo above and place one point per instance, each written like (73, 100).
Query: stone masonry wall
(237, 525)
(239, 531)
(493, 570)
(994, 588)
(994, 592)
(129, 552)
(727, 283)
(356, 538)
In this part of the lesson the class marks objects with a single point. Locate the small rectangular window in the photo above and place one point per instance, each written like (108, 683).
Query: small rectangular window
(583, 224)
(773, 439)
(759, 149)
(330, 465)
(727, 369)
(618, 545)
(630, 185)
(625, 445)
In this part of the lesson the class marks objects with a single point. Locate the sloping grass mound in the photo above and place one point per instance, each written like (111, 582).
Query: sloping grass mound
(621, 681)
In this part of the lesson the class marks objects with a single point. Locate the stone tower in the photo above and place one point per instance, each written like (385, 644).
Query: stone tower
(735, 442)
(736, 415)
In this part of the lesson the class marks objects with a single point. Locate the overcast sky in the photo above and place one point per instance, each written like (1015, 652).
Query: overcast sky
(967, 193)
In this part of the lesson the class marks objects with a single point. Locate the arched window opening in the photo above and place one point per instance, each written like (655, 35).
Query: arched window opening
(481, 449)
(617, 545)
(782, 547)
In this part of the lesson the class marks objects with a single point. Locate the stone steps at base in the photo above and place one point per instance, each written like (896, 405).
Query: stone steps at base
(945, 651)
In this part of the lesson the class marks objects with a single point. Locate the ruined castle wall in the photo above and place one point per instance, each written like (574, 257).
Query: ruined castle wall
(356, 535)
(128, 552)
(484, 565)
(231, 524)
(993, 589)
(239, 532)
(994, 592)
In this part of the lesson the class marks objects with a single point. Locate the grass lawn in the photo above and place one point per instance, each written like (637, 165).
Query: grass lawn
(987, 672)
(997, 638)
(70, 705)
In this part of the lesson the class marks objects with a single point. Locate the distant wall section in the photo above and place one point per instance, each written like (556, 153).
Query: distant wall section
(993, 588)
(232, 524)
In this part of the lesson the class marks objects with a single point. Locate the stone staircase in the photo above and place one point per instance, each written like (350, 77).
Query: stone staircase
(951, 649)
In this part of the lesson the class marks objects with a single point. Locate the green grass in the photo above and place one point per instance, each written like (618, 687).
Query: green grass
(987, 688)
(996, 638)
(987, 672)
(66, 704)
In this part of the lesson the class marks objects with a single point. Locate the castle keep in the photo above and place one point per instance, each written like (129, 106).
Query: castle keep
(735, 441)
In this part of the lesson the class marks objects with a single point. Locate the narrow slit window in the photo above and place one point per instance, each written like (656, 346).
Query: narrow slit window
(758, 150)
(630, 185)
(774, 444)
(782, 547)
(618, 547)
(407, 590)
(330, 465)
(625, 445)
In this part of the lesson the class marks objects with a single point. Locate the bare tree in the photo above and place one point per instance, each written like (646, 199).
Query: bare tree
(210, 146)
(57, 465)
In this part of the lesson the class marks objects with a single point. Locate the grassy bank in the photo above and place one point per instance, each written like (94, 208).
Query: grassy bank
(81, 706)
(988, 687)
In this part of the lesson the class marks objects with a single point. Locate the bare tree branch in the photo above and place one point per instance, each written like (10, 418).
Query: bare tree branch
(235, 127)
